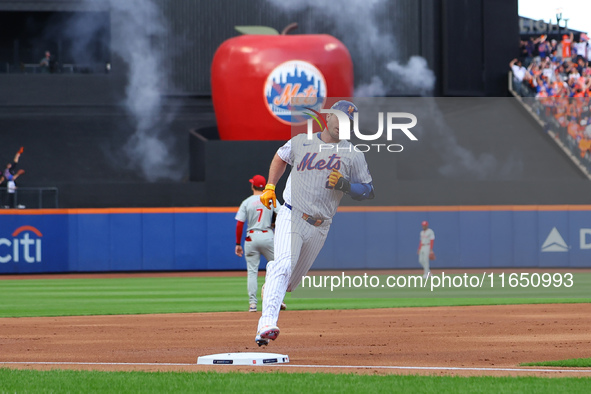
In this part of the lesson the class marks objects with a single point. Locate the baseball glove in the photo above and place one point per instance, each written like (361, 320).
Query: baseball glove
(268, 196)
(431, 255)
(338, 182)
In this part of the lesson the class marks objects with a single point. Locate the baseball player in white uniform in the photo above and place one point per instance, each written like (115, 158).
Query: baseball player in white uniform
(259, 235)
(425, 252)
(324, 169)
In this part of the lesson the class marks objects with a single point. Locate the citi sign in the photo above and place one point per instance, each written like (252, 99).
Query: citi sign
(21, 247)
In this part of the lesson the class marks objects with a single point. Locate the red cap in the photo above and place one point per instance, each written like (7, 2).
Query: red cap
(258, 181)
(425, 223)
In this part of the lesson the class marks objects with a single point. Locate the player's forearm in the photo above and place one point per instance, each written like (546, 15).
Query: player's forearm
(361, 191)
(276, 170)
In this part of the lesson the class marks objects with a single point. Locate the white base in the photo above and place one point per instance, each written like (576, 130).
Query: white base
(243, 359)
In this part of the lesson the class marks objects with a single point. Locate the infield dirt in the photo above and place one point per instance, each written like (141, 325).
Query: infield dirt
(474, 336)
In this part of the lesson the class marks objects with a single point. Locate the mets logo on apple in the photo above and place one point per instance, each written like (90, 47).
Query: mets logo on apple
(294, 79)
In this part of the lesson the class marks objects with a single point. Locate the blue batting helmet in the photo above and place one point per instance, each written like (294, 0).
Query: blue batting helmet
(345, 106)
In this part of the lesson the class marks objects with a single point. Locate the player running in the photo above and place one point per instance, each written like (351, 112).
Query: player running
(259, 235)
(323, 170)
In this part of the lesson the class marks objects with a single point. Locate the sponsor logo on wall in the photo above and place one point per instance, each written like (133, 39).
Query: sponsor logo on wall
(555, 242)
(25, 245)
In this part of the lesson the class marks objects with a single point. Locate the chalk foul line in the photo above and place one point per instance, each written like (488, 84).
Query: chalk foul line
(398, 367)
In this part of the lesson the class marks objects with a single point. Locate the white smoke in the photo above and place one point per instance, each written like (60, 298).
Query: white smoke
(362, 28)
(415, 75)
(142, 30)
(139, 31)
(375, 88)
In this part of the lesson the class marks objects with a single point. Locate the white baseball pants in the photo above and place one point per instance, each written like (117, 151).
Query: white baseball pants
(424, 258)
(297, 244)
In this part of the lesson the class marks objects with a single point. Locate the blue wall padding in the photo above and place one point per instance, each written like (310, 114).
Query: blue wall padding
(169, 241)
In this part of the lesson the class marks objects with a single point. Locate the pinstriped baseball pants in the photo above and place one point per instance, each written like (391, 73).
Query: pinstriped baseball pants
(297, 244)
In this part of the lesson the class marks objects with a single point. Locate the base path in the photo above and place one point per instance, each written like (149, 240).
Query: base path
(474, 340)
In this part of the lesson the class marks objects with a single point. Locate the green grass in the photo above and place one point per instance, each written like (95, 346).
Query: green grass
(114, 296)
(29, 381)
(61, 297)
(572, 362)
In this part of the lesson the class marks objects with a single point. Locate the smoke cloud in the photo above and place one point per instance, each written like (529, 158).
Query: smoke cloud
(365, 30)
(141, 29)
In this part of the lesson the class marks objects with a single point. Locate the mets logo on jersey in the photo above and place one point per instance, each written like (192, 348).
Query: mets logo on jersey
(309, 163)
(294, 79)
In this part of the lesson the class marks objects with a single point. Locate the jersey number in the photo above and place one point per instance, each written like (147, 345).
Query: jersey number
(260, 211)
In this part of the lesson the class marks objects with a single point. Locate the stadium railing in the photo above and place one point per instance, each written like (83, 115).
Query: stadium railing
(31, 198)
(540, 112)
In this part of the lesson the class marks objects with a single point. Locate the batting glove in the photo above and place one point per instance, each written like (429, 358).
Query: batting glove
(268, 196)
(333, 178)
(21, 150)
(338, 182)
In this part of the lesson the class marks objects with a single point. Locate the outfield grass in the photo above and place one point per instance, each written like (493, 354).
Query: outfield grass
(572, 362)
(114, 296)
(30, 381)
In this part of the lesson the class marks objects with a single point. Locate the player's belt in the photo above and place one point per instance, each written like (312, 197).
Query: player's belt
(312, 221)
(262, 231)
(308, 218)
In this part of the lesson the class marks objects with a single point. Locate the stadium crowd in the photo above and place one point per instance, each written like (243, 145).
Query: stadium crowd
(558, 75)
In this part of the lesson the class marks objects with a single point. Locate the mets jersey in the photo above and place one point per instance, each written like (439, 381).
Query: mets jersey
(312, 162)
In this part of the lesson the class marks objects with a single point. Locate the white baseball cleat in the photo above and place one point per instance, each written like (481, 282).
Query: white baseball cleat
(252, 308)
(265, 334)
(427, 275)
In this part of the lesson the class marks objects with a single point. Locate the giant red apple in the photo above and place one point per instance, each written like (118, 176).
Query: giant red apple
(254, 78)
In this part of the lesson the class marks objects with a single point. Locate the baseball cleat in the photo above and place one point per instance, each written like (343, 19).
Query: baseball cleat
(260, 341)
(268, 332)
(265, 334)
(283, 306)
(252, 308)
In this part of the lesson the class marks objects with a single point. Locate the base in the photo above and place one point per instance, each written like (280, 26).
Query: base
(243, 359)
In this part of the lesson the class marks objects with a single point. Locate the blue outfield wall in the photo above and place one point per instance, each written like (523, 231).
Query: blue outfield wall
(203, 239)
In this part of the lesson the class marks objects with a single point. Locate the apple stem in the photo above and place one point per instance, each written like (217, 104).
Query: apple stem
(289, 28)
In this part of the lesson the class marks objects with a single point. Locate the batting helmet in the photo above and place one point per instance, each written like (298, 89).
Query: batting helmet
(345, 106)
